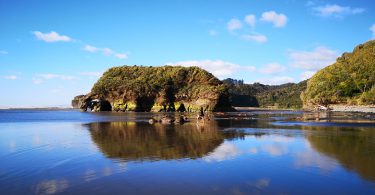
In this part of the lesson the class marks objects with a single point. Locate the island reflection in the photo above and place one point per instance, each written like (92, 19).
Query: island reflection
(353, 148)
(142, 141)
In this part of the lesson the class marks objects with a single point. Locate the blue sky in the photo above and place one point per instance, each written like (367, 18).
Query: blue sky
(52, 50)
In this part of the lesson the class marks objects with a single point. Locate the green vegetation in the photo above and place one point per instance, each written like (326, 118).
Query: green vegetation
(342, 144)
(142, 88)
(140, 141)
(260, 95)
(351, 80)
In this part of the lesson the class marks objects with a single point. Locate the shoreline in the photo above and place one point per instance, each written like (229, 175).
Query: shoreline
(263, 109)
(39, 108)
(335, 108)
(348, 108)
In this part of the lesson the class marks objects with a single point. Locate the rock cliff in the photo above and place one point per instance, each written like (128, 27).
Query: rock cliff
(147, 88)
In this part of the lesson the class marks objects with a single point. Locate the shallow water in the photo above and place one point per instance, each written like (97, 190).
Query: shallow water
(264, 152)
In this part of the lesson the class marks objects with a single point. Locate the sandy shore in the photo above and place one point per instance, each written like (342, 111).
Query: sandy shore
(335, 108)
(346, 108)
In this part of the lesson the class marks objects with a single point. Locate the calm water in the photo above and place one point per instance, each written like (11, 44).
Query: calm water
(266, 152)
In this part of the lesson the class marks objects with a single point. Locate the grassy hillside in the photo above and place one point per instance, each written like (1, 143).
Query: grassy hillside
(351, 80)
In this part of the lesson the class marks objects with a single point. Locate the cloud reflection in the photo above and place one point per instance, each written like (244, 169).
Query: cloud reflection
(311, 158)
(90, 175)
(225, 151)
(253, 150)
(261, 183)
(52, 186)
(275, 149)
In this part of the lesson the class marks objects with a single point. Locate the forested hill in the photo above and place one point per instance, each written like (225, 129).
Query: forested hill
(260, 95)
(351, 80)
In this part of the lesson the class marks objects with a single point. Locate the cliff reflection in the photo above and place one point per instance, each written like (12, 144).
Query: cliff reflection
(353, 148)
(142, 141)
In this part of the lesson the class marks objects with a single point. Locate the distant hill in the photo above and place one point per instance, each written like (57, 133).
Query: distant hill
(260, 95)
(351, 80)
(146, 88)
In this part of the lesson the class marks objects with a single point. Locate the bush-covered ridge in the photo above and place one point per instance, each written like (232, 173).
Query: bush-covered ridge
(351, 80)
(260, 95)
(146, 88)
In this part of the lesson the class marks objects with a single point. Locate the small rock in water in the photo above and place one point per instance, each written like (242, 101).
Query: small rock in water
(152, 121)
(181, 119)
(167, 120)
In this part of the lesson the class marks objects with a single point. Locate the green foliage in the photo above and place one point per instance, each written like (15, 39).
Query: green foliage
(260, 95)
(350, 79)
(367, 97)
(156, 86)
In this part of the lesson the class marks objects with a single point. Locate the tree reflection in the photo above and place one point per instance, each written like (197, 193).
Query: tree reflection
(142, 141)
(353, 148)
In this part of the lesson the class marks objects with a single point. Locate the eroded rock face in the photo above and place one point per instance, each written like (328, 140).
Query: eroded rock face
(85, 103)
(166, 88)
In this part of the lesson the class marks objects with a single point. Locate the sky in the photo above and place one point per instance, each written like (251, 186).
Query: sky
(53, 50)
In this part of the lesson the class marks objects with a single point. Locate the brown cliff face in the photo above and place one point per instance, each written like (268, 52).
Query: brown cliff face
(141, 88)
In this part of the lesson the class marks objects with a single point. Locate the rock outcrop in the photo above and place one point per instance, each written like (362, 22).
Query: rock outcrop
(166, 88)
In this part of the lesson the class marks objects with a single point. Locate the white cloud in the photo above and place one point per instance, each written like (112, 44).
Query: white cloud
(40, 78)
(90, 48)
(278, 20)
(234, 24)
(107, 51)
(272, 68)
(3, 52)
(336, 10)
(218, 68)
(255, 37)
(250, 20)
(121, 55)
(212, 32)
(92, 74)
(51, 37)
(278, 80)
(372, 28)
(307, 74)
(225, 151)
(10, 77)
(248, 68)
(314, 60)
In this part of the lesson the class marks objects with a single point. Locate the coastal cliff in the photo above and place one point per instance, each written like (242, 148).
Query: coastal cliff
(147, 88)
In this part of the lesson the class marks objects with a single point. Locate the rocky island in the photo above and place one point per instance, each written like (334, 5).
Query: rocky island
(147, 88)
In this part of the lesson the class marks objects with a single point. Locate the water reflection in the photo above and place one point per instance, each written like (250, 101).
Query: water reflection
(352, 148)
(142, 141)
(52, 186)
(225, 151)
(270, 154)
(323, 146)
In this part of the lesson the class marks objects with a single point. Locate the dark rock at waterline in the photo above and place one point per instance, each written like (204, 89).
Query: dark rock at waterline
(181, 108)
(85, 103)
